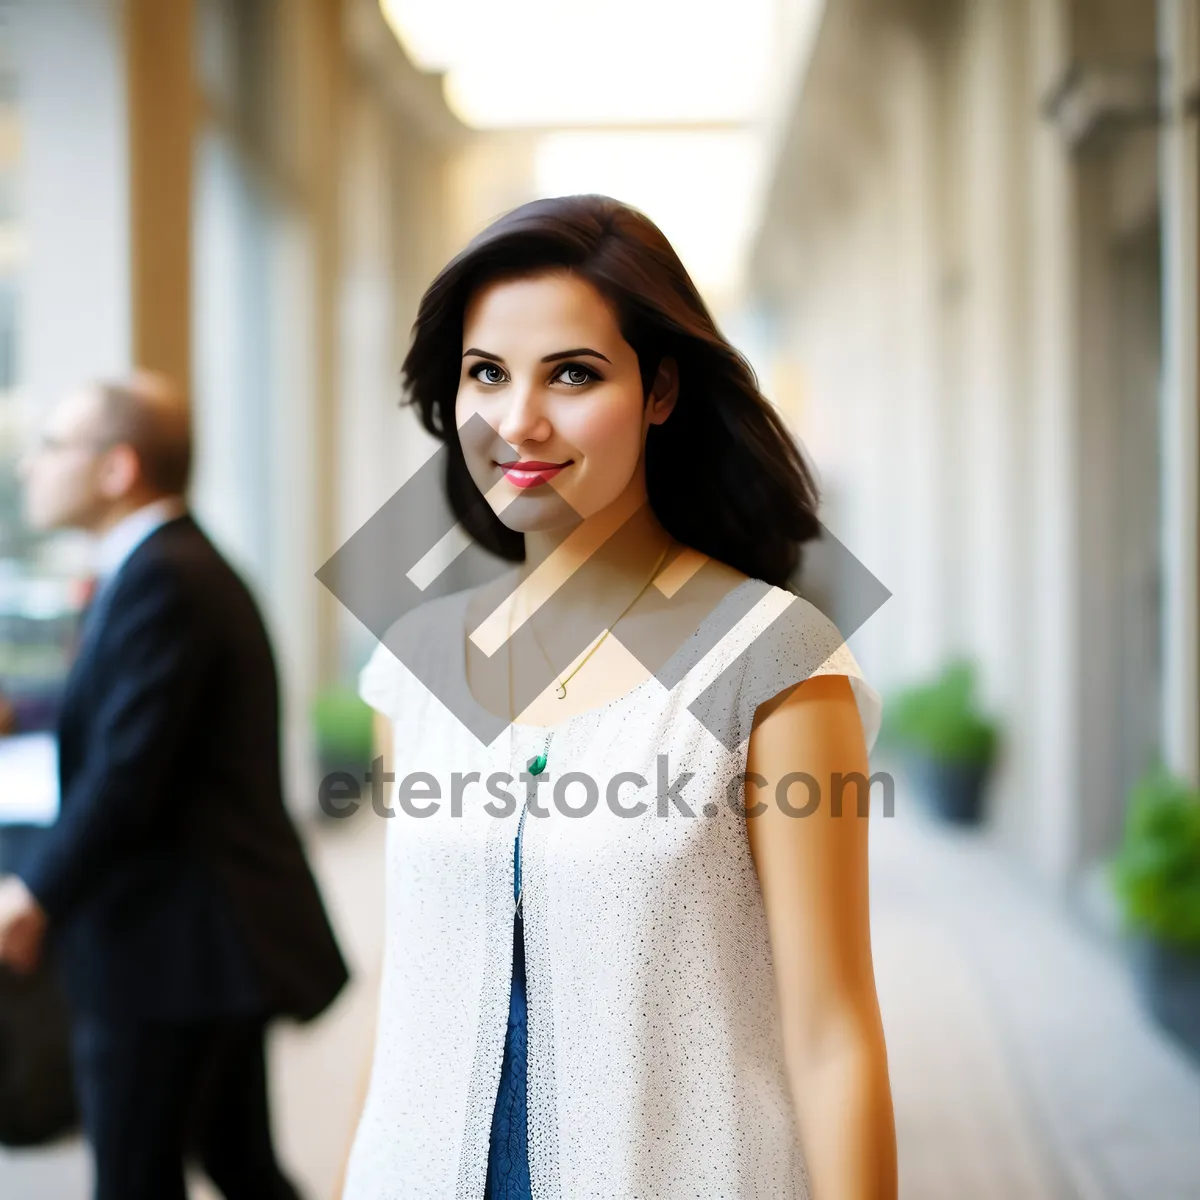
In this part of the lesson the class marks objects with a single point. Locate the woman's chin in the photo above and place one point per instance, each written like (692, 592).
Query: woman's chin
(537, 510)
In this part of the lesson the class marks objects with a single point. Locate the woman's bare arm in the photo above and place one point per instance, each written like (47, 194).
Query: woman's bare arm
(382, 741)
(813, 874)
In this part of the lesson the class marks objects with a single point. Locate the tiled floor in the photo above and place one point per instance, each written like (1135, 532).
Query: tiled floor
(1022, 1067)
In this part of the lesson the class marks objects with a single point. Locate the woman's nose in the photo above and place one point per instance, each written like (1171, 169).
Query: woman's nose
(524, 419)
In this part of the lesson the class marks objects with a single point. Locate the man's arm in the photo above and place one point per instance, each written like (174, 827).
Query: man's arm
(133, 740)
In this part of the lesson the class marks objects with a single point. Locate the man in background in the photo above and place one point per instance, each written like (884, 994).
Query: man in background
(173, 889)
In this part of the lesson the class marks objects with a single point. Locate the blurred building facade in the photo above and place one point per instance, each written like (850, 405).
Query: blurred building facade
(979, 260)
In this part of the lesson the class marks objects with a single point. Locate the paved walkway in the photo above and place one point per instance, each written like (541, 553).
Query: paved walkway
(1022, 1066)
(1022, 1063)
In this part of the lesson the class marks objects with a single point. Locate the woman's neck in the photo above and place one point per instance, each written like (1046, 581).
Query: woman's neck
(616, 547)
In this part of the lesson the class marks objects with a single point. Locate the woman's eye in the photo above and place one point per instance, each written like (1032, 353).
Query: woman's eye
(576, 375)
(482, 372)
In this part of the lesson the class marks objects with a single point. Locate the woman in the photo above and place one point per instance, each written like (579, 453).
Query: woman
(647, 978)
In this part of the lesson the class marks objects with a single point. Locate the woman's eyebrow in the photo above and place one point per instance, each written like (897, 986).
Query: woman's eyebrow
(582, 350)
(574, 354)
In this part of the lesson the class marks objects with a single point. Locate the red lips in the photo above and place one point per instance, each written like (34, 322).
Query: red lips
(531, 472)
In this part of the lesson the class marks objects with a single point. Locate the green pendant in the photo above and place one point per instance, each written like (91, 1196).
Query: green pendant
(537, 765)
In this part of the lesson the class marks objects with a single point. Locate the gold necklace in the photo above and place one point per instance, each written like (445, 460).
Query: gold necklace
(562, 683)
(537, 764)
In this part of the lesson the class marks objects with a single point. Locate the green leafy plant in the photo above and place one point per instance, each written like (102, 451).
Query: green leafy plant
(1156, 870)
(342, 725)
(939, 718)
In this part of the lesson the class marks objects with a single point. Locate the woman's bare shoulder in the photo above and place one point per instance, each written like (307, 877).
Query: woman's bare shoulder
(708, 581)
(425, 624)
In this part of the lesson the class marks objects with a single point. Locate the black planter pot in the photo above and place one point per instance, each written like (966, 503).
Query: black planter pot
(953, 791)
(1168, 979)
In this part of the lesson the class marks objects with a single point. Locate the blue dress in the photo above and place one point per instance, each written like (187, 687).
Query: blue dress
(508, 1152)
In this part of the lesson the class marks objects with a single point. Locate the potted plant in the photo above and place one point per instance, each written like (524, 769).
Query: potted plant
(1156, 878)
(342, 728)
(947, 745)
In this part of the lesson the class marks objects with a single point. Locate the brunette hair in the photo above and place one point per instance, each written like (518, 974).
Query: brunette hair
(723, 473)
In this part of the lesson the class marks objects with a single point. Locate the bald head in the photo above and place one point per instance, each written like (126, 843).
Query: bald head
(149, 413)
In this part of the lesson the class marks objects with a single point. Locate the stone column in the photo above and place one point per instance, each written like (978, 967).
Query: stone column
(161, 107)
(1179, 41)
(1054, 459)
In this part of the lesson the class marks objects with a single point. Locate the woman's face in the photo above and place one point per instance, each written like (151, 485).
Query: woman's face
(556, 395)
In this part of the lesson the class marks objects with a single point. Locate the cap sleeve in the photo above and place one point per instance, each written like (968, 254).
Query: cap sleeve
(412, 651)
(870, 703)
(379, 681)
(797, 642)
(842, 662)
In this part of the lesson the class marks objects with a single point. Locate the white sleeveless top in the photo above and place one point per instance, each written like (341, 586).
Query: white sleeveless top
(655, 1059)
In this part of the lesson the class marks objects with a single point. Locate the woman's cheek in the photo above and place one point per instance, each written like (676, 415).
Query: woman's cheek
(611, 429)
(469, 406)
(610, 440)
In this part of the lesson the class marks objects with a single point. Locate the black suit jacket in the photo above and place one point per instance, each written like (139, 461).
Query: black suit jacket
(175, 882)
